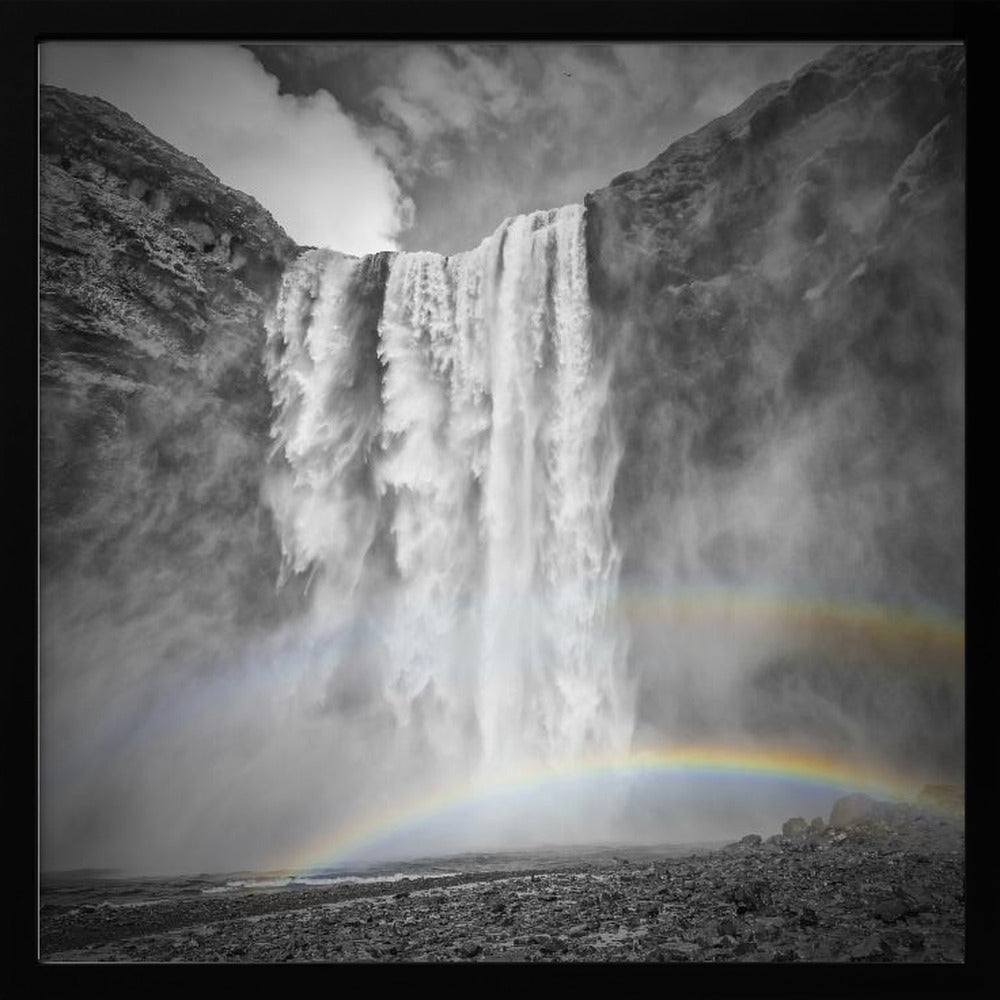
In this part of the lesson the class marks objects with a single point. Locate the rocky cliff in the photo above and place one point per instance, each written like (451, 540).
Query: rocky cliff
(786, 287)
(154, 406)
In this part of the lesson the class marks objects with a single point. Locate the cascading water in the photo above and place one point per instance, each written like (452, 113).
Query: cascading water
(469, 427)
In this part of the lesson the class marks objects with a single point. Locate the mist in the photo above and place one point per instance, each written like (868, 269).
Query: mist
(678, 466)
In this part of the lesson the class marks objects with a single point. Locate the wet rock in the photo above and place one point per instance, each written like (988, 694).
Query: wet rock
(872, 948)
(554, 945)
(912, 940)
(795, 827)
(770, 928)
(786, 955)
(891, 910)
(751, 897)
(681, 951)
(853, 809)
(727, 927)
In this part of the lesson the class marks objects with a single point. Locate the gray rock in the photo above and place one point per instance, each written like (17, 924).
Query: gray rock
(727, 927)
(795, 827)
(553, 945)
(853, 809)
(751, 897)
(873, 947)
(891, 910)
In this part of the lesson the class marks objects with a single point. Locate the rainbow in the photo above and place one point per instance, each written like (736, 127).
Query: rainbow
(813, 767)
(935, 634)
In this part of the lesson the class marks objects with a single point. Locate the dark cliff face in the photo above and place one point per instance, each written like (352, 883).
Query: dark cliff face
(786, 289)
(154, 407)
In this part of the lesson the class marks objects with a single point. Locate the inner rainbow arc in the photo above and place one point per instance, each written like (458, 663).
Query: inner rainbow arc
(811, 766)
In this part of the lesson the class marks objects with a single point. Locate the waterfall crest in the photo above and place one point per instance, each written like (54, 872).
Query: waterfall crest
(467, 426)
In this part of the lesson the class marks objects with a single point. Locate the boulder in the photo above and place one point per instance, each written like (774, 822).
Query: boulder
(795, 827)
(854, 809)
(872, 948)
(752, 897)
(727, 927)
(891, 910)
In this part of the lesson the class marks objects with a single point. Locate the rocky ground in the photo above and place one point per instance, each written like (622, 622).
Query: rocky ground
(884, 889)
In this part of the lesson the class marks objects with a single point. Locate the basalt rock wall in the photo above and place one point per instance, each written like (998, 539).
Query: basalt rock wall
(786, 289)
(154, 407)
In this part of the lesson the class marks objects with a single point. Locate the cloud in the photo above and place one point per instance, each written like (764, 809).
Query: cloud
(301, 156)
(475, 133)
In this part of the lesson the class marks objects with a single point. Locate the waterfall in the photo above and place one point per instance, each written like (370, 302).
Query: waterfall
(466, 420)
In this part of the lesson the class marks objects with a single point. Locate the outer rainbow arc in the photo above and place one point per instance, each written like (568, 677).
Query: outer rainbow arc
(740, 607)
(811, 766)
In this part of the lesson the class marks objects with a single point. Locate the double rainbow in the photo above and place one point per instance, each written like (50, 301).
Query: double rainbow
(917, 641)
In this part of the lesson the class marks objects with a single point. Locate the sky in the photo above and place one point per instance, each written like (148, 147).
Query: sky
(402, 146)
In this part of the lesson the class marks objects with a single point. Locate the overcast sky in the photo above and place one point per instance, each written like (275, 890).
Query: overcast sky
(363, 147)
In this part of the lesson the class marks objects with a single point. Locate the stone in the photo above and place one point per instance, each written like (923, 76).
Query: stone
(751, 839)
(891, 910)
(873, 947)
(751, 897)
(795, 827)
(854, 809)
(681, 951)
(727, 927)
(554, 945)
(786, 955)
